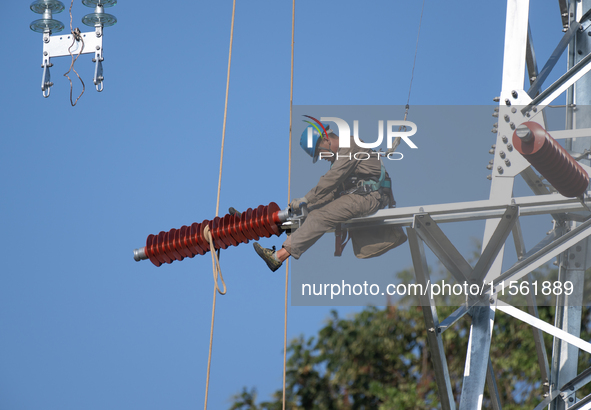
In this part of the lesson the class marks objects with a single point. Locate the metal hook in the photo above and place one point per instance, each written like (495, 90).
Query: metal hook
(98, 74)
(46, 79)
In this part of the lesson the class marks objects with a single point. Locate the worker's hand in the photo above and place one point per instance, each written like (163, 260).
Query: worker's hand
(296, 203)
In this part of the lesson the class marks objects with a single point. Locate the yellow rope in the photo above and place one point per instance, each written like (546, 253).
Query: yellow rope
(288, 200)
(215, 258)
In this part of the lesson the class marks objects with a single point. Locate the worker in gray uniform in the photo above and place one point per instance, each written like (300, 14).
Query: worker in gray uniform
(356, 185)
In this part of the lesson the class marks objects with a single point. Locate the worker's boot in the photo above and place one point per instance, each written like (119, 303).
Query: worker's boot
(268, 256)
(233, 211)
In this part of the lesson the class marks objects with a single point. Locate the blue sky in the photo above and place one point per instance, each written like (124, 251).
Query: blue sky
(86, 327)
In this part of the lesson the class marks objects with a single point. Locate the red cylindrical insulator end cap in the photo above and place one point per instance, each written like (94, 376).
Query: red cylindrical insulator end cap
(546, 155)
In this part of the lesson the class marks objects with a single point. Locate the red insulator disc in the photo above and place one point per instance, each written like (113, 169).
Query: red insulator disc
(248, 225)
(265, 222)
(201, 239)
(150, 250)
(166, 245)
(232, 220)
(214, 228)
(241, 229)
(177, 245)
(272, 211)
(258, 222)
(170, 245)
(227, 236)
(193, 235)
(161, 254)
(186, 248)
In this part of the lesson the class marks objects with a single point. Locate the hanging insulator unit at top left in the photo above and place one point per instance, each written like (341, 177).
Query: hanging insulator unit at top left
(74, 43)
(229, 230)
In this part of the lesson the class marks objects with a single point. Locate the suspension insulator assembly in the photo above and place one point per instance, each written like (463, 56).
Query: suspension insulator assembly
(546, 155)
(229, 230)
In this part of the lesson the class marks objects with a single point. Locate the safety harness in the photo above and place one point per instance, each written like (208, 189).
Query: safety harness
(362, 187)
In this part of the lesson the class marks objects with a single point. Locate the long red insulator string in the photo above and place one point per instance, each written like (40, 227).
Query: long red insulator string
(229, 230)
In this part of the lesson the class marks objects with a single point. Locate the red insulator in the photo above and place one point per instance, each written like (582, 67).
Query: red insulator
(229, 230)
(546, 155)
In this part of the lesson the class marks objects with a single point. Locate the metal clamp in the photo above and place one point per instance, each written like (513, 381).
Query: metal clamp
(46, 79)
(98, 74)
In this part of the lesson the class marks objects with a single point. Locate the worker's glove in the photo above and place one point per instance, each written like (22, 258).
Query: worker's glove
(296, 203)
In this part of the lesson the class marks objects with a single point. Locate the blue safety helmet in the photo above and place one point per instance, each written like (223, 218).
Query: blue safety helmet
(316, 137)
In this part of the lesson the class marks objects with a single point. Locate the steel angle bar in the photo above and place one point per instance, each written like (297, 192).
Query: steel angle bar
(573, 385)
(544, 403)
(579, 381)
(560, 85)
(563, 12)
(453, 318)
(477, 357)
(583, 404)
(544, 254)
(442, 247)
(515, 44)
(576, 133)
(530, 57)
(532, 307)
(470, 211)
(493, 390)
(547, 69)
(495, 244)
(546, 327)
(518, 240)
(532, 304)
(432, 323)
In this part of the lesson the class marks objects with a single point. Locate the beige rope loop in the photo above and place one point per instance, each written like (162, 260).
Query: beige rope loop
(214, 256)
(217, 270)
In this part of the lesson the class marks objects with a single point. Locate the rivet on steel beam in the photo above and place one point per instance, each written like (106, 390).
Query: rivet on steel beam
(510, 147)
(514, 94)
(489, 177)
(507, 118)
(513, 110)
(504, 138)
(500, 170)
(497, 99)
(507, 102)
(507, 162)
(489, 166)
(512, 125)
(502, 154)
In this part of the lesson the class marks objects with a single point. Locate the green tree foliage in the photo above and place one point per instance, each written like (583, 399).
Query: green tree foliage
(379, 359)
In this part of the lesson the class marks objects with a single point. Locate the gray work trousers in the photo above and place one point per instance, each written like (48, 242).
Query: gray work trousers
(321, 220)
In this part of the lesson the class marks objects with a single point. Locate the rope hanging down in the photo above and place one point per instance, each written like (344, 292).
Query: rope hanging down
(216, 268)
(75, 37)
(396, 141)
(288, 200)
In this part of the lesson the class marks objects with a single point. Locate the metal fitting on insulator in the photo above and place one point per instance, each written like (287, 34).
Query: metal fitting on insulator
(555, 164)
(229, 230)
